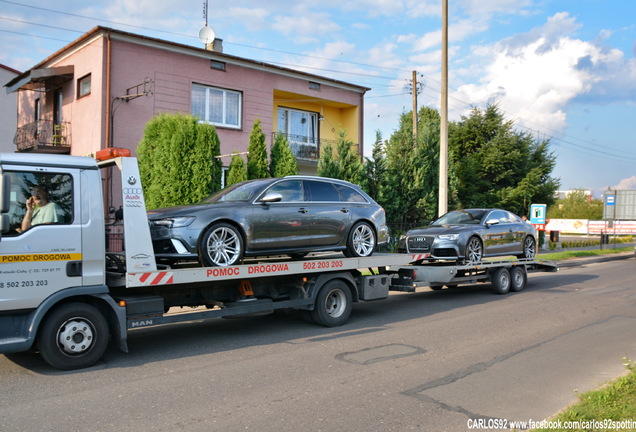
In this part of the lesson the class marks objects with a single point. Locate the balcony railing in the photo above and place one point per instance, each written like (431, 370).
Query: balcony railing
(307, 148)
(44, 136)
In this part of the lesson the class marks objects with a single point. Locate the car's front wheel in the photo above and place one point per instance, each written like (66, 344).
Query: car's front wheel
(474, 251)
(221, 245)
(361, 241)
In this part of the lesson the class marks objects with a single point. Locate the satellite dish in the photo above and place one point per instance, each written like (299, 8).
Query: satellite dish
(206, 35)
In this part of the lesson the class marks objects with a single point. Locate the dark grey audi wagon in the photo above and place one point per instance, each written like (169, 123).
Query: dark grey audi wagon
(292, 215)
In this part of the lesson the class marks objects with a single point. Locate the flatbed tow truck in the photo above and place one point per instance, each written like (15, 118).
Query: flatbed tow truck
(64, 295)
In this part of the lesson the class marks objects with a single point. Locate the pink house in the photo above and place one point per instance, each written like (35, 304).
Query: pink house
(100, 91)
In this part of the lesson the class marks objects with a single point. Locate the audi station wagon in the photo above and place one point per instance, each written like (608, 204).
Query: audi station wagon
(293, 215)
(472, 234)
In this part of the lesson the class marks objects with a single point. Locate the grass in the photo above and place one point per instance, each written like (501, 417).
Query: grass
(597, 409)
(560, 256)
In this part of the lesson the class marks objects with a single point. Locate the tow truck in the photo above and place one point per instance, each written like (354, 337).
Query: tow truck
(63, 294)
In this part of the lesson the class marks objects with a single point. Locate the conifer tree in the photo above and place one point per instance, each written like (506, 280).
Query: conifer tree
(257, 166)
(237, 172)
(282, 161)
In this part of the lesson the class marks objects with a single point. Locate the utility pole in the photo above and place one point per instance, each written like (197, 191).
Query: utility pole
(414, 87)
(443, 139)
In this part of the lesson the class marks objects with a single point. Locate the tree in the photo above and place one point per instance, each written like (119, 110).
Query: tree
(237, 172)
(327, 166)
(257, 166)
(497, 166)
(176, 160)
(375, 169)
(576, 205)
(349, 162)
(282, 161)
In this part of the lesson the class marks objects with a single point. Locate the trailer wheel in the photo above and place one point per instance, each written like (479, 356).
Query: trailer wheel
(436, 287)
(500, 281)
(333, 304)
(73, 336)
(518, 279)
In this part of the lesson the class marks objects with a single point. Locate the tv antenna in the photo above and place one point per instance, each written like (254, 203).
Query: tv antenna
(206, 34)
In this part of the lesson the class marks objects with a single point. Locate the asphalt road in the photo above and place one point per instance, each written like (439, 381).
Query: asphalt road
(425, 361)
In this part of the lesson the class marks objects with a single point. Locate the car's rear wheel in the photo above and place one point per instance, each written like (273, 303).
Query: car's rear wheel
(529, 248)
(474, 251)
(361, 241)
(221, 245)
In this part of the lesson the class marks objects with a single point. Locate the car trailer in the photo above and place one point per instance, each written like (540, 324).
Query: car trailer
(505, 275)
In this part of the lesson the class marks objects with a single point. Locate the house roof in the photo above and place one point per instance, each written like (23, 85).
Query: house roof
(100, 31)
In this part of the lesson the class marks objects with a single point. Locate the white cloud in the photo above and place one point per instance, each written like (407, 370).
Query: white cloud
(535, 75)
(626, 183)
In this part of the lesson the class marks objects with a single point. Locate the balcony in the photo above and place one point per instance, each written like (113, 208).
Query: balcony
(44, 136)
(306, 148)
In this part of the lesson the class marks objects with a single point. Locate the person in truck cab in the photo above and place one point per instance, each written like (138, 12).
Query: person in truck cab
(40, 210)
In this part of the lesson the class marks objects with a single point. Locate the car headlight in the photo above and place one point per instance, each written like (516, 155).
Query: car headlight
(451, 237)
(174, 222)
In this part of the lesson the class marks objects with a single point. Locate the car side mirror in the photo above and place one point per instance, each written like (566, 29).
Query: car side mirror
(492, 221)
(271, 197)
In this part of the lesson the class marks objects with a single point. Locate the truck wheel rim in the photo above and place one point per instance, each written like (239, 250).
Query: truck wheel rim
(75, 336)
(336, 303)
(363, 240)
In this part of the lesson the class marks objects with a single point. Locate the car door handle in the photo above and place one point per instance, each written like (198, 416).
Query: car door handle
(302, 210)
(344, 210)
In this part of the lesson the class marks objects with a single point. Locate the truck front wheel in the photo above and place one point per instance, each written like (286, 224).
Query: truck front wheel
(73, 336)
(333, 304)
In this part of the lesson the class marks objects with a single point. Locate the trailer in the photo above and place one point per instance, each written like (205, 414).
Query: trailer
(504, 275)
(64, 295)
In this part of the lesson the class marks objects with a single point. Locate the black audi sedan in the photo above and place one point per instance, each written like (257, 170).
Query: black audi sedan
(292, 215)
(470, 235)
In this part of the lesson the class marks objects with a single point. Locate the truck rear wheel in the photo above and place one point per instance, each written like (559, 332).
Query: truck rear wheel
(73, 336)
(333, 304)
(500, 281)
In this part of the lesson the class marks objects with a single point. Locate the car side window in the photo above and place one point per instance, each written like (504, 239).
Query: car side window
(500, 216)
(322, 191)
(349, 194)
(291, 190)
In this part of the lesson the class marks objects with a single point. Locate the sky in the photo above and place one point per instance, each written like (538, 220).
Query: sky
(562, 70)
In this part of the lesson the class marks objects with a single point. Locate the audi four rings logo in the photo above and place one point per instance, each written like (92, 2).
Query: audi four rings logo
(132, 190)
(132, 180)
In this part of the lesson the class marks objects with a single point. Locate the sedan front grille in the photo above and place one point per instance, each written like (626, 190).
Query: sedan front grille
(420, 243)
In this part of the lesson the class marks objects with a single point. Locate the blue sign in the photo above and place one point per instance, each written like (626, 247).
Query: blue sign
(610, 200)
(537, 213)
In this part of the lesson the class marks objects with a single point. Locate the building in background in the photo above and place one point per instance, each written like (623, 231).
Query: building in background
(101, 90)
(8, 113)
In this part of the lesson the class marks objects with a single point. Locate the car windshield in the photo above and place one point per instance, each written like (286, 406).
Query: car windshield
(245, 191)
(461, 217)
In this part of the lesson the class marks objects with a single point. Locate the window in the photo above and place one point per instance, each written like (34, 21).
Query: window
(349, 194)
(314, 85)
(292, 190)
(217, 106)
(54, 189)
(84, 86)
(322, 191)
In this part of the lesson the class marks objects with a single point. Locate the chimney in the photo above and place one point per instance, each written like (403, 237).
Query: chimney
(216, 45)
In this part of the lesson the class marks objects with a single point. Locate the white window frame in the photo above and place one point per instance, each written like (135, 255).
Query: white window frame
(226, 115)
